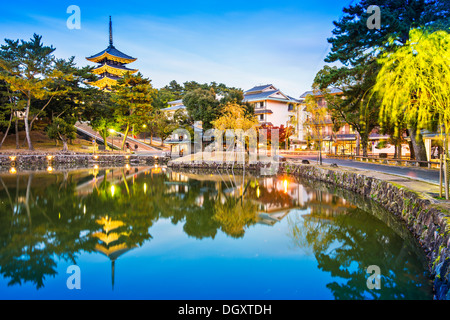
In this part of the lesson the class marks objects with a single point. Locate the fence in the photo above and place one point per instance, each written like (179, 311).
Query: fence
(389, 161)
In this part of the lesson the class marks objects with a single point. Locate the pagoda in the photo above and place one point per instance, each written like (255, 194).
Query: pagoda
(111, 65)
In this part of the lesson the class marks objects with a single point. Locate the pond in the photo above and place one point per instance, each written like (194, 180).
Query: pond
(151, 233)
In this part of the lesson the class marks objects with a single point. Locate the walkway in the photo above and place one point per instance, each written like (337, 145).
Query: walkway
(421, 174)
(116, 143)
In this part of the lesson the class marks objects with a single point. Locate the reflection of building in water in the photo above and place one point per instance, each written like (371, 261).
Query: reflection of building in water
(111, 243)
(276, 197)
(323, 205)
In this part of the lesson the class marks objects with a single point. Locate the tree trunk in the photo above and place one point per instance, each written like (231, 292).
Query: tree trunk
(27, 126)
(358, 146)
(17, 134)
(446, 182)
(65, 146)
(125, 136)
(395, 150)
(7, 131)
(364, 140)
(103, 134)
(412, 156)
(418, 145)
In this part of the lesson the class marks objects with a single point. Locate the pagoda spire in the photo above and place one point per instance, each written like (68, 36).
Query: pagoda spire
(110, 33)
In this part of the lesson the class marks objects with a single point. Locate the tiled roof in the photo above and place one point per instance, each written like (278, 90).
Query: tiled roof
(266, 96)
(294, 100)
(175, 102)
(258, 88)
(174, 108)
(115, 66)
(114, 52)
(259, 96)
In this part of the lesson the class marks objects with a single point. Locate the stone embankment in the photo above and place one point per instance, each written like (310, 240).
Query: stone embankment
(30, 162)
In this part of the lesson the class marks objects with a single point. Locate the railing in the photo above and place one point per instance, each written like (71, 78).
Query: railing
(388, 161)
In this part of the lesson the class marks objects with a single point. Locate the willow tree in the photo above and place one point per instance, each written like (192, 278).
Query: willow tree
(233, 116)
(316, 121)
(414, 83)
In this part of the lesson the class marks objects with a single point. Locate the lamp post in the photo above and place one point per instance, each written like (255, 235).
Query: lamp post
(144, 126)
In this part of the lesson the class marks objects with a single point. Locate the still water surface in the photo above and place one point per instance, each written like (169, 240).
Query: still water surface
(150, 233)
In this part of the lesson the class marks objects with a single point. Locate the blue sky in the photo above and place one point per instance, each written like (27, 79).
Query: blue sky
(239, 43)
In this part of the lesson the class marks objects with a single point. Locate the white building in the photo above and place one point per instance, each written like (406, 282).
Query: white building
(272, 107)
(174, 107)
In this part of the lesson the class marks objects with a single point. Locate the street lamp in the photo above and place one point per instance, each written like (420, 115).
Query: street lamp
(144, 126)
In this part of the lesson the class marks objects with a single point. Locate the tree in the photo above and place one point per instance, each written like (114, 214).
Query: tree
(414, 82)
(316, 122)
(357, 47)
(62, 129)
(133, 97)
(202, 105)
(353, 106)
(29, 67)
(8, 107)
(233, 117)
(99, 111)
(163, 126)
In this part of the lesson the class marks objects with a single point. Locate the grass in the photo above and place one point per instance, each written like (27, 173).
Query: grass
(42, 144)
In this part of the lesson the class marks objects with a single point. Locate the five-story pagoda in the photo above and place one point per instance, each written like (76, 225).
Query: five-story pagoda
(111, 65)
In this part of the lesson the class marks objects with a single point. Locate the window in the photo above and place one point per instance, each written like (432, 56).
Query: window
(291, 107)
(261, 104)
(261, 117)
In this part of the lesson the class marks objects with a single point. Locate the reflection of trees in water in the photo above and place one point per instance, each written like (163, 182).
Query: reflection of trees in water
(235, 215)
(34, 230)
(346, 243)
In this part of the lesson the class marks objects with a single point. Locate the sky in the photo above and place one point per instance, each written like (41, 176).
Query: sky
(238, 43)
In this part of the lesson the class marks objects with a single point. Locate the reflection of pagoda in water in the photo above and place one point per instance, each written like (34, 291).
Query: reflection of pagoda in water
(111, 65)
(111, 241)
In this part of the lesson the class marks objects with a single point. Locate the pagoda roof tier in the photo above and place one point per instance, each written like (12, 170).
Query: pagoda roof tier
(111, 53)
(117, 70)
(106, 81)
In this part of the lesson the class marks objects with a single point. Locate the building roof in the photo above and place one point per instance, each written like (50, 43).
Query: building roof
(111, 51)
(175, 102)
(320, 93)
(174, 108)
(267, 92)
(117, 70)
(269, 95)
(260, 88)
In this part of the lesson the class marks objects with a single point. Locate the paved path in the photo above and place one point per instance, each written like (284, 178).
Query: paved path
(86, 129)
(421, 174)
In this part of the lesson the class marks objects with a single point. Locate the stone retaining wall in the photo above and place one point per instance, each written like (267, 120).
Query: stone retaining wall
(63, 159)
